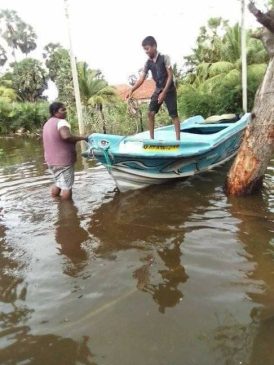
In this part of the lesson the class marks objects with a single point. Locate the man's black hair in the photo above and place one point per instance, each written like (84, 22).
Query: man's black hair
(54, 107)
(149, 41)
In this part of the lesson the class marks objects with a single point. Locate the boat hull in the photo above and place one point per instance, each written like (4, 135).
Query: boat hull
(165, 161)
(129, 179)
(130, 174)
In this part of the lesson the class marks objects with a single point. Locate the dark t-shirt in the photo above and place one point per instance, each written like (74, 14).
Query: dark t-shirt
(158, 68)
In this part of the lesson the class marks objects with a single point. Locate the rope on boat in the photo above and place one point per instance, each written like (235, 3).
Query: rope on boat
(134, 111)
(107, 157)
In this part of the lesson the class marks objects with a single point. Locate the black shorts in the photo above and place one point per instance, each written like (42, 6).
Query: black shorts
(170, 101)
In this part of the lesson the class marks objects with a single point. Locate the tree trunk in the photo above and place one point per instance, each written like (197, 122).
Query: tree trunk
(247, 172)
(103, 118)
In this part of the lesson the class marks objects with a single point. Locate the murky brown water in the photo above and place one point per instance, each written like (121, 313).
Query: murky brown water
(171, 275)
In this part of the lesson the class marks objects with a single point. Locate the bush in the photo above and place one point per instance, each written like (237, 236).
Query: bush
(5, 116)
(195, 102)
(225, 97)
(29, 116)
(118, 120)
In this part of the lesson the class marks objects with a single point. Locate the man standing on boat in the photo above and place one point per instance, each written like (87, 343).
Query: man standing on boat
(60, 150)
(165, 91)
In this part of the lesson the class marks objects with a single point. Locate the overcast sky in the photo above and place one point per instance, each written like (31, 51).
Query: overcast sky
(107, 34)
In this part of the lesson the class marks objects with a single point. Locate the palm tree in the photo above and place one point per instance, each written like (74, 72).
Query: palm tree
(95, 91)
(16, 33)
(208, 77)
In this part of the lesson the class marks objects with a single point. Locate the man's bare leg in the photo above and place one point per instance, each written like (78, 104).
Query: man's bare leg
(176, 123)
(66, 194)
(151, 119)
(55, 191)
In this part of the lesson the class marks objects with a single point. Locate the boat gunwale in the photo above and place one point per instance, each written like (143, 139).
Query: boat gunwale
(100, 152)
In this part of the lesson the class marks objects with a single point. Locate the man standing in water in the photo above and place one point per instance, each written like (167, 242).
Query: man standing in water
(60, 151)
(165, 91)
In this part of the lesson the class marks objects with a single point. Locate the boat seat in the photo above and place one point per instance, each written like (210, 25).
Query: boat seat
(224, 118)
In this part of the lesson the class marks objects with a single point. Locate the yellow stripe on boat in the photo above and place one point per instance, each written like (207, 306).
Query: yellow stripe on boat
(160, 148)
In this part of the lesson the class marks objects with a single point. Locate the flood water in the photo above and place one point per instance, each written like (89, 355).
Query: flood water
(175, 274)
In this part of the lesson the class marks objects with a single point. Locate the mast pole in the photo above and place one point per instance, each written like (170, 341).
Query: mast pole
(243, 56)
(74, 73)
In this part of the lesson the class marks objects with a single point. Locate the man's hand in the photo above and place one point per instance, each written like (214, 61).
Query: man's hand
(129, 94)
(68, 137)
(137, 84)
(161, 97)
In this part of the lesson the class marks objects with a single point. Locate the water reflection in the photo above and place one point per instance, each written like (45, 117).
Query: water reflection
(262, 349)
(141, 219)
(13, 289)
(256, 233)
(166, 294)
(18, 150)
(70, 236)
(142, 252)
(45, 350)
(252, 343)
(150, 222)
(256, 229)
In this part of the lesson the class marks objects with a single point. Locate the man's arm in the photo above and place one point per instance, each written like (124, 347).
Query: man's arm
(168, 81)
(137, 84)
(68, 137)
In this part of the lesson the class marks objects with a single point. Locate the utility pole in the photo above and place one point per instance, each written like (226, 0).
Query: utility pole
(243, 56)
(74, 74)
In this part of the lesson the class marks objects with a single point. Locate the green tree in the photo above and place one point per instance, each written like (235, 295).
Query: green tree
(3, 56)
(57, 60)
(208, 43)
(16, 33)
(53, 54)
(94, 90)
(216, 81)
(177, 73)
(29, 79)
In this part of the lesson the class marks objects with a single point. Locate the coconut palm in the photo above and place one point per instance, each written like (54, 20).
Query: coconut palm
(210, 77)
(230, 57)
(94, 90)
(16, 33)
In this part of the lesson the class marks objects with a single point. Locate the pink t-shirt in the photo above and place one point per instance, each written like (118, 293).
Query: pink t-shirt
(57, 152)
